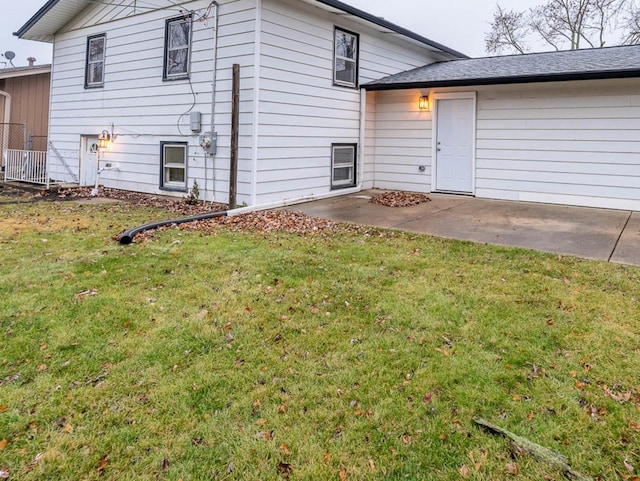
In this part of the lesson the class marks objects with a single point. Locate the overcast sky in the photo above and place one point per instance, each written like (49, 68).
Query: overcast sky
(459, 24)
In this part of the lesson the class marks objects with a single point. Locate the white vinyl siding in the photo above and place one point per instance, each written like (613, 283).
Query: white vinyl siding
(402, 142)
(572, 143)
(291, 113)
(143, 108)
(301, 112)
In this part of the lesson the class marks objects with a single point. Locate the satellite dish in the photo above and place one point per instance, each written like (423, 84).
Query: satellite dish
(9, 55)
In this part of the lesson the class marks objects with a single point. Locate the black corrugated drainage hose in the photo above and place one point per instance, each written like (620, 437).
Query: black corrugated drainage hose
(127, 236)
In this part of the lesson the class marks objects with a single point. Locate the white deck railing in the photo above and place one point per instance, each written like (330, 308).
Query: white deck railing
(26, 166)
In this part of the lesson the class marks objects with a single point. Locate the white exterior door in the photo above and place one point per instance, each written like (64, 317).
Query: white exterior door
(89, 160)
(455, 145)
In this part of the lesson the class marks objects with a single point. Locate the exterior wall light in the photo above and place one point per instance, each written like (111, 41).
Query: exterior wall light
(423, 103)
(104, 140)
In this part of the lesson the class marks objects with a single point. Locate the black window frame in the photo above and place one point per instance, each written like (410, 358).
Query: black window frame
(163, 183)
(342, 83)
(354, 165)
(165, 67)
(88, 62)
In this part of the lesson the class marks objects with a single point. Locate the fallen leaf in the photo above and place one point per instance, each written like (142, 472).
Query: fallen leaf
(284, 449)
(327, 458)
(628, 465)
(512, 468)
(102, 464)
(68, 428)
(343, 474)
(2, 407)
(427, 398)
(372, 465)
(464, 471)
(3, 444)
(88, 293)
(4, 472)
(36, 459)
(163, 467)
(284, 468)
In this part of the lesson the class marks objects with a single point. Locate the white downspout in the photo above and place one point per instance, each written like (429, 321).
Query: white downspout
(214, 78)
(363, 128)
(256, 102)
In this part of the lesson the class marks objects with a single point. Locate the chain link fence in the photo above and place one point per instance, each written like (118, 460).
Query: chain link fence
(12, 136)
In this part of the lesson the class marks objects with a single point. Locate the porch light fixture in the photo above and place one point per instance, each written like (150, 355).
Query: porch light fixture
(104, 140)
(423, 103)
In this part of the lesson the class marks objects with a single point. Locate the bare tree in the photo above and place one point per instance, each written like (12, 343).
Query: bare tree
(509, 29)
(632, 27)
(565, 24)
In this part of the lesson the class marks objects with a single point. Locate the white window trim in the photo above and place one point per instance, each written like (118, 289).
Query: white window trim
(353, 164)
(89, 62)
(164, 183)
(337, 57)
(182, 75)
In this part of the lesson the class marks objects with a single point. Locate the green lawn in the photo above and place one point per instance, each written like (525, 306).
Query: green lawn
(355, 355)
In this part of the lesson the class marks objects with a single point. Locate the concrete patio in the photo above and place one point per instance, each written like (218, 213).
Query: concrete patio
(602, 234)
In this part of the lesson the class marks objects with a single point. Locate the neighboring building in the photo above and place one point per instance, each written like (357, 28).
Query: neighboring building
(145, 76)
(558, 127)
(24, 108)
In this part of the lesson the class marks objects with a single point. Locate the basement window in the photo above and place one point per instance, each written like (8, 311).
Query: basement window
(94, 66)
(173, 161)
(343, 165)
(345, 69)
(177, 48)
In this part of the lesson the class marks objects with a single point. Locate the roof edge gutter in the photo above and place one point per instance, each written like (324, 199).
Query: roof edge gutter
(36, 18)
(390, 26)
(565, 77)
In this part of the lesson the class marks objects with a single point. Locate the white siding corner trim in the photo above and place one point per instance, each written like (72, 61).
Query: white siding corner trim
(256, 102)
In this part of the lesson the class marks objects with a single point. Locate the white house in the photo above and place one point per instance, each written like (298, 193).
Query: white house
(158, 81)
(328, 104)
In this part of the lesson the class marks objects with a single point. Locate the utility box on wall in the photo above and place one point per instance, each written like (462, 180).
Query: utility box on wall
(209, 142)
(195, 121)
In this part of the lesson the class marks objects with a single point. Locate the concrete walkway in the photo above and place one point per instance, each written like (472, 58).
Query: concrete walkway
(602, 234)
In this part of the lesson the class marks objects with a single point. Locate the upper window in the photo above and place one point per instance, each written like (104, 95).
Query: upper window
(94, 72)
(173, 173)
(177, 48)
(345, 70)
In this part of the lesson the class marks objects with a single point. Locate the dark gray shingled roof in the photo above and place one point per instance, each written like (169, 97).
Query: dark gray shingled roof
(598, 63)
